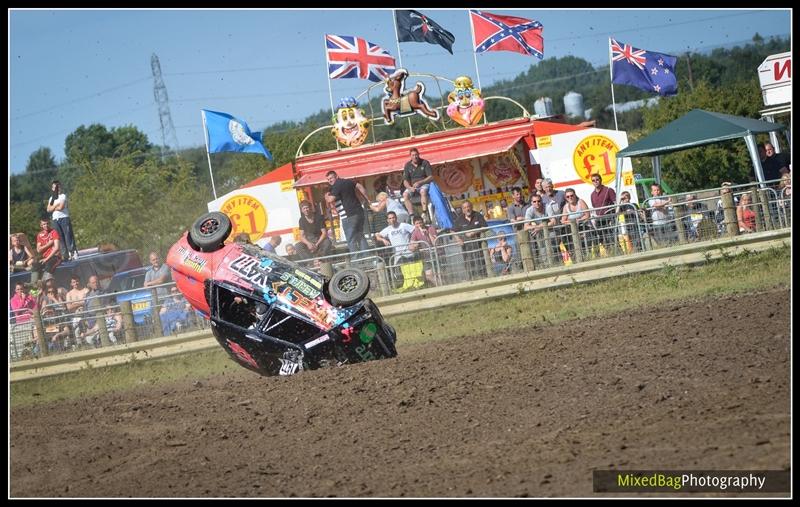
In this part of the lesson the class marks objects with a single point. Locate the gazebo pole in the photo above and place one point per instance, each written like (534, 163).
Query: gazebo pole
(657, 168)
(752, 147)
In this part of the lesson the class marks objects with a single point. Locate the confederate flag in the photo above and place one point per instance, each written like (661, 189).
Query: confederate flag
(493, 32)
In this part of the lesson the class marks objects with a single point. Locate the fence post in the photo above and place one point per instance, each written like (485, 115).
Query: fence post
(756, 210)
(154, 313)
(763, 198)
(524, 244)
(102, 329)
(548, 244)
(680, 212)
(127, 321)
(729, 210)
(487, 259)
(383, 279)
(576, 240)
(326, 269)
(40, 336)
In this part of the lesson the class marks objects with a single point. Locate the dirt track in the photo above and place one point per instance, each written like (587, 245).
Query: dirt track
(700, 385)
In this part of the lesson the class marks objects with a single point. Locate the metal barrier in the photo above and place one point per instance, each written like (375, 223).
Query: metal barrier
(535, 243)
(106, 320)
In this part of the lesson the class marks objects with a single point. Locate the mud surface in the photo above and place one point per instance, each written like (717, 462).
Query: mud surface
(697, 385)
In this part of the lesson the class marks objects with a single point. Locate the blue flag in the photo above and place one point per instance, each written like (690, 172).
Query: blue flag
(646, 70)
(227, 133)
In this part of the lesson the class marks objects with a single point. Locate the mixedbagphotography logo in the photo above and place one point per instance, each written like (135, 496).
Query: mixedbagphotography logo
(690, 481)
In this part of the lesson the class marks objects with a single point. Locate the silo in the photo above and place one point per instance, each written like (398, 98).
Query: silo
(543, 107)
(573, 104)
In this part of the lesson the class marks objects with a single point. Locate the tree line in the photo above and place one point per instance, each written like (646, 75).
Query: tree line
(124, 190)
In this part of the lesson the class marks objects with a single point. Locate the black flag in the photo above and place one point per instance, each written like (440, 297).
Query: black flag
(415, 26)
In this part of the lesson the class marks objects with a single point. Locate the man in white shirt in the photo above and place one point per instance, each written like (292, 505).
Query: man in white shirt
(398, 235)
(57, 205)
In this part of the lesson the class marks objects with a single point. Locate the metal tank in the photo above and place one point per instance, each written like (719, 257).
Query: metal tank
(543, 107)
(573, 104)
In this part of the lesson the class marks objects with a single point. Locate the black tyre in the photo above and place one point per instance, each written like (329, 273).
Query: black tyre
(348, 287)
(209, 231)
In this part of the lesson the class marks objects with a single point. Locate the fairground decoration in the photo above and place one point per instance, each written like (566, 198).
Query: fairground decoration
(350, 125)
(466, 105)
(401, 103)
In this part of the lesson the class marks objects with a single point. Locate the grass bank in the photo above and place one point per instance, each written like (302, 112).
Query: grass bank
(743, 273)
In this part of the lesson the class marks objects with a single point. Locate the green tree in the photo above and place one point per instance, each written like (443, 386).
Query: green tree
(144, 207)
(25, 218)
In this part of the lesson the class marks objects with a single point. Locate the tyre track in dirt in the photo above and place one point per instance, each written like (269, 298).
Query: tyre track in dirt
(700, 384)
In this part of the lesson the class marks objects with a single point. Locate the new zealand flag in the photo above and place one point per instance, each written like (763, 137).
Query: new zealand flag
(417, 27)
(646, 70)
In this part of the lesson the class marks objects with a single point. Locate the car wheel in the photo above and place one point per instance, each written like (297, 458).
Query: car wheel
(348, 287)
(209, 231)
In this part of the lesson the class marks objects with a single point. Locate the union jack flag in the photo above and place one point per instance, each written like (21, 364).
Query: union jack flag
(350, 57)
(493, 32)
(646, 70)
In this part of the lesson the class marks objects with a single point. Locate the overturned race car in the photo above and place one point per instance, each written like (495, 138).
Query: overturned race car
(271, 315)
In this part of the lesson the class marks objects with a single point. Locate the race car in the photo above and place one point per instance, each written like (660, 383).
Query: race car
(271, 315)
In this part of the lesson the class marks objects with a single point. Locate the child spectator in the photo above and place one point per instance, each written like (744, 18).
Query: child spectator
(48, 246)
(502, 256)
(744, 215)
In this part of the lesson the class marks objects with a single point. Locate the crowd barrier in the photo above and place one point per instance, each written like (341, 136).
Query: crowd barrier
(529, 245)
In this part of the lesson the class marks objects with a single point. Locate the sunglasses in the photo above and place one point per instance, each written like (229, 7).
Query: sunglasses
(570, 196)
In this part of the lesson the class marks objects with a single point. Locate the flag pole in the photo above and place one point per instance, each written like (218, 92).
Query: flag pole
(208, 155)
(475, 58)
(400, 61)
(611, 72)
(397, 39)
(328, 77)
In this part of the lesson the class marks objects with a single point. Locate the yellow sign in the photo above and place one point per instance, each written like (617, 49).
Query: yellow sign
(247, 215)
(286, 185)
(544, 141)
(596, 154)
(627, 178)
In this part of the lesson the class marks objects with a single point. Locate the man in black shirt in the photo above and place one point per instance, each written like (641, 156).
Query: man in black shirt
(465, 222)
(417, 174)
(775, 164)
(314, 240)
(348, 195)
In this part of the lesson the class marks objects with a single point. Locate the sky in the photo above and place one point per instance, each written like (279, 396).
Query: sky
(69, 68)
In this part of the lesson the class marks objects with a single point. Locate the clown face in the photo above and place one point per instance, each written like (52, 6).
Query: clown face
(350, 126)
(466, 105)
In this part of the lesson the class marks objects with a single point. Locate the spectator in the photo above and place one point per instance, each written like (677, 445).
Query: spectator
(576, 208)
(552, 198)
(157, 274)
(113, 323)
(22, 307)
(57, 205)
(348, 197)
(53, 309)
(314, 240)
(242, 238)
(516, 211)
(174, 312)
(271, 244)
(603, 200)
(696, 212)
(76, 300)
(424, 238)
(94, 299)
(466, 222)
(775, 163)
(537, 217)
(291, 252)
(785, 191)
(88, 334)
(538, 187)
(60, 340)
(629, 217)
(502, 255)
(744, 215)
(659, 214)
(387, 204)
(20, 255)
(417, 175)
(398, 235)
(48, 247)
